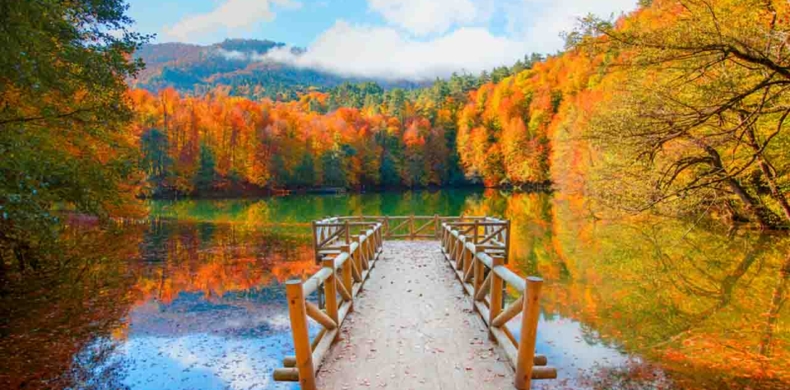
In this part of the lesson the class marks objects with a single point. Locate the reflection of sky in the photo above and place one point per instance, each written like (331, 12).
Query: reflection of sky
(234, 342)
(204, 361)
(570, 349)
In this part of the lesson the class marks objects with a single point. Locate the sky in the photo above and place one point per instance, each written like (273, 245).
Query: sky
(397, 39)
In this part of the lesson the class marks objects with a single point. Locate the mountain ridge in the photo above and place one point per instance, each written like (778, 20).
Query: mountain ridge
(239, 64)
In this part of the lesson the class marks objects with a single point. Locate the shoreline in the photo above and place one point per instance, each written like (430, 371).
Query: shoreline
(254, 193)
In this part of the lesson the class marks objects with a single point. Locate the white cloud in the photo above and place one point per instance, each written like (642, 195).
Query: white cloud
(230, 15)
(383, 52)
(425, 39)
(540, 22)
(236, 55)
(422, 17)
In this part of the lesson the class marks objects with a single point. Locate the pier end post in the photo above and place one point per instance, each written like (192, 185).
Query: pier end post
(304, 353)
(529, 327)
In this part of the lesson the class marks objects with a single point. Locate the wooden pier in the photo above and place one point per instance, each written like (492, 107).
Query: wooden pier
(431, 315)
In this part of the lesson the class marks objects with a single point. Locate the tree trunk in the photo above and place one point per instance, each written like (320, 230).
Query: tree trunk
(757, 209)
(769, 174)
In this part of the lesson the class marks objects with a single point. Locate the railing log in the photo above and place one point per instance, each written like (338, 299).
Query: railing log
(509, 312)
(301, 338)
(330, 290)
(465, 246)
(341, 288)
(511, 278)
(319, 316)
(529, 327)
(484, 288)
(496, 291)
(287, 374)
(311, 285)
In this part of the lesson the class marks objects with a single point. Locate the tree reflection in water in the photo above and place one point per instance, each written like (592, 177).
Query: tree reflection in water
(192, 297)
(692, 305)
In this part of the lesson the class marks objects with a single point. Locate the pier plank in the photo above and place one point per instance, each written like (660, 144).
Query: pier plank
(413, 328)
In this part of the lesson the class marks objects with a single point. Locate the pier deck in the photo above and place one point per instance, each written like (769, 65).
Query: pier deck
(413, 314)
(413, 328)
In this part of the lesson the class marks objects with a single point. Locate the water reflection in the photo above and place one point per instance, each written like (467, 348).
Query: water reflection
(192, 299)
(234, 341)
(212, 312)
(686, 305)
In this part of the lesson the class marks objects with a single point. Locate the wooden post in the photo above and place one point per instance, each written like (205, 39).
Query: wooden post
(466, 256)
(330, 290)
(411, 227)
(529, 328)
(368, 240)
(304, 353)
(496, 291)
(458, 246)
(348, 234)
(479, 270)
(450, 247)
(372, 245)
(348, 278)
(366, 250)
(475, 233)
(436, 226)
(443, 234)
(375, 244)
(386, 226)
(447, 236)
(460, 262)
(315, 242)
(359, 255)
(378, 239)
(507, 242)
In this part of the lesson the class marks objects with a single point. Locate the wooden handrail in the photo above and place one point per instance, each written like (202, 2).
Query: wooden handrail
(353, 265)
(444, 218)
(476, 247)
(332, 232)
(471, 255)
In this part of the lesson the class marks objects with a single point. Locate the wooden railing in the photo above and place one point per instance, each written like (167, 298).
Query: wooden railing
(347, 248)
(345, 268)
(478, 252)
(331, 233)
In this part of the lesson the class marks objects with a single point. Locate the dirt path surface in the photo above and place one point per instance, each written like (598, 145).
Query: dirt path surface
(413, 328)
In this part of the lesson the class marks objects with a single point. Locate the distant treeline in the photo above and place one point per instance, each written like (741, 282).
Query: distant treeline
(354, 136)
(678, 107)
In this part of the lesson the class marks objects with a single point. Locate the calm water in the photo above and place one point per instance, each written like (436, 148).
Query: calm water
(193, 298)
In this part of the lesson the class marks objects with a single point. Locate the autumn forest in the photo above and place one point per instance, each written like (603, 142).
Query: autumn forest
(154, 195)
(704, 131)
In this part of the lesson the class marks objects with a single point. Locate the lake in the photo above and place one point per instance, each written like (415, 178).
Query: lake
(193, 298)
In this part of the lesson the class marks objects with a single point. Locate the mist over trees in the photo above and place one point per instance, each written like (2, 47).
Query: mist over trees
(678, 107)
